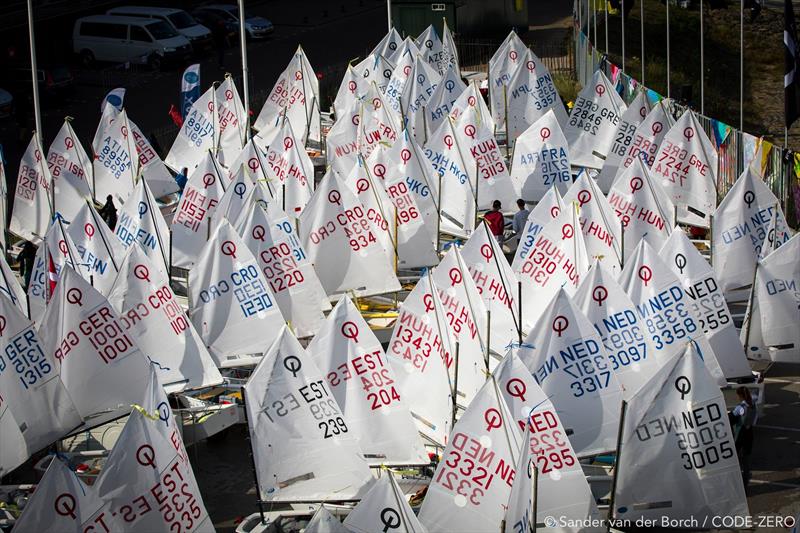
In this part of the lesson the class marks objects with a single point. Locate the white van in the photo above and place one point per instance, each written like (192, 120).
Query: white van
(180, 20)
(128, 39)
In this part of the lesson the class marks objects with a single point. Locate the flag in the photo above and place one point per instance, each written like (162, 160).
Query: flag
(175, 115)
(52, 277)
(190, 87)
(790, 82)
(115, 97)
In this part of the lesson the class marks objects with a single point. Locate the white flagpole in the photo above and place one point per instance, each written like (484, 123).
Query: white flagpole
(622, 17)
(594, 18)
(668, 92)
(741, 65)
(389, 13)
(245, 81)
(641, 35)
(605, 14)
(702, 63)
(34, 76)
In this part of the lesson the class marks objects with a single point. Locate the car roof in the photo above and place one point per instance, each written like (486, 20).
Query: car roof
(116, 19)
(223, 7)
(146, 10)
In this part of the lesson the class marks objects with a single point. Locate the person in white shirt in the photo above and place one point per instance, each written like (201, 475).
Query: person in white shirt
(743, 418)
(520, 218)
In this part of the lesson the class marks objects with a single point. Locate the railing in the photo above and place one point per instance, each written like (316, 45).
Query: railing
(778, 173)
(475, 55)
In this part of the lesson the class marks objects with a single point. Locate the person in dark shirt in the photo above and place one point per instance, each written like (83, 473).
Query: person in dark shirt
(27, 260)
(109, 213)
(495, 220)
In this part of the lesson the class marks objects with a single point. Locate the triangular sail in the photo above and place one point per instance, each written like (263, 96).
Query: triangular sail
(416, 97)
(708, 303)
(502, 66)
(678, 418)
(140, 221)
(443, 98)
(231, 119)
(541, 159)
(568, 360)
(100, 252)
(33, 210)
(624, 138)
(71, 170)
(302, 446)
(114, 166)
(548, 208)
(662, 303)
(231, 305)
(384, 506)
(364, 385)
(198, 134)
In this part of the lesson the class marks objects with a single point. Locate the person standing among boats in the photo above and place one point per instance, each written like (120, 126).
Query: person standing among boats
(518, 223)
(743, 418)
(495, 220)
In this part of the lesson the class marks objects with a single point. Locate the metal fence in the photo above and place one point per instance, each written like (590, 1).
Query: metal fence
(475, 55)
(779, 172)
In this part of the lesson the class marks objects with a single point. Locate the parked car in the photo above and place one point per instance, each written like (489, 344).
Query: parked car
(181, 21)
(121, 39)
(256, 27)
(214, 19)
(54, 80)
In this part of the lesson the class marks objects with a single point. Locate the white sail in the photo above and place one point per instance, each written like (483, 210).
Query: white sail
(377, 125)
(406, 162)
(741, 229)
(334, 224)
(363, 383)
(548, 208)
(649, 135)
(231, 119)
(403, 65)
(624, 335)
(292, 169)
(10, 286)
(778, 298)
(64, 503)
(151, 314)
(140, 221)
(100, 252)
(253, 160)
(593, 122)
(379, 208)
(389, 44)
(376, 68)
(231, 305)
(60, 250)
(449, 49)
(686, 164)
(557, 259)
(497, 285)
(383, 507)
(415, 237)
(562, 486)
(472, 482)
(416, 97)
(466, 314)
(108, 115)
(708, 303)
(148, 165)
(678, 419)
(324, 522)
(32, 211)
(421, 352)
(529, 94)
(352, 88)
(198, 134)
(342, 139)
(601, 229)
(624, 138)
(271, 238)
(443, 98)
(191, 224)
(456, 196)
(114, 166)
(234, 203)
(502, 66)
(472, 97)
(665, 308)
(485, 164)
(36, 409)
(569, 361)
(71, 170)
(99, 363)
(296, 96)
(541, 159)
(432, 49)
(302, 446)
(149, 459)
(641, 207)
